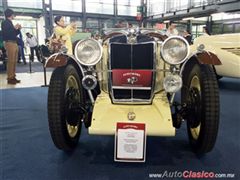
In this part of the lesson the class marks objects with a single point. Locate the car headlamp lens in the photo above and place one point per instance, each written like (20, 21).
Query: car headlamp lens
(172, 83)
(88, 52)
(89, 82)
(175, 50)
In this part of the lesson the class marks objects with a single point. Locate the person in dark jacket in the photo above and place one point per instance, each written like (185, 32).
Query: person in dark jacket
(188, 36)
(206, 31)
(2, 49)
(3, 55)
(21, 49)
(10, 32)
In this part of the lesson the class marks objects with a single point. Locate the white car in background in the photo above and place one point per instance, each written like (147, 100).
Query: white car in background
(227, 48)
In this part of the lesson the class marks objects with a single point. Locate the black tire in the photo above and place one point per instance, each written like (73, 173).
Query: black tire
(57, 109)
(203, 117)
(217, 76)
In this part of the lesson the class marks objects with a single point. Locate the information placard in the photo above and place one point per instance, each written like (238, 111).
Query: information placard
(130, 142)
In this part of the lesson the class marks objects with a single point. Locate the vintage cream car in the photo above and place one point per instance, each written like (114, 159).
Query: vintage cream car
(132, 77)
(227, 49)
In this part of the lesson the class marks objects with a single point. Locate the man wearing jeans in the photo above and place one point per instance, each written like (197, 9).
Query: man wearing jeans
(10, 33)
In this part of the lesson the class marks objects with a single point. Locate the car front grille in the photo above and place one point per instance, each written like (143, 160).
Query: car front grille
(132, 72)
(235, 51)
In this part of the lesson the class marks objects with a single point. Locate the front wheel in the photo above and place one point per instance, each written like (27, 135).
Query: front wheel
(64, 95)
(200, 93)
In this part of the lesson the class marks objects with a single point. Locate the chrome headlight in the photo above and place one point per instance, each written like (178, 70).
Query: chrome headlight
(175, 50)
(88, 52)
(89, 82)
(172, 83)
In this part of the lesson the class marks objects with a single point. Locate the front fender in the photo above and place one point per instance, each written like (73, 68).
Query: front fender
(206, 57)
(59, 60)
(56, 60)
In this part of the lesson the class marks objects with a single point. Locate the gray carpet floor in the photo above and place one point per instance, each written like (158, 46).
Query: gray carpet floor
(27, 151)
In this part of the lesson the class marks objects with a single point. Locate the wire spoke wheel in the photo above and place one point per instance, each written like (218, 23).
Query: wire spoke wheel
(64, 96)
(200, 93)
(195, 90)
(72, 94)
(72, 130)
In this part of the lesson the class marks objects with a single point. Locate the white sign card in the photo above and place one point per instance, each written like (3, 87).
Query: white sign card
(130, 142)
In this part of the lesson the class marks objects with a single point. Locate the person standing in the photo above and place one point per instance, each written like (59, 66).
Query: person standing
(172, 31)
(188, 36)
(206, 31)
(21, 49)
(10, 32)
(32, 42)
(64, 32)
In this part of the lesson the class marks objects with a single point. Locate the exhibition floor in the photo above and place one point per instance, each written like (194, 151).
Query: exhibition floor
(27, 151)
(33, 77)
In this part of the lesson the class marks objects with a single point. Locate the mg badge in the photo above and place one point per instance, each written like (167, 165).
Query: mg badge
(132, 80)
(131, 116)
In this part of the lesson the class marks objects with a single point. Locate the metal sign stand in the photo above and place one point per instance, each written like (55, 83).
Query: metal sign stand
(43, 60)
(30, 65)
(45, 75)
